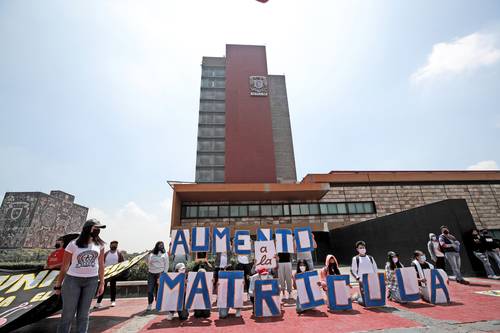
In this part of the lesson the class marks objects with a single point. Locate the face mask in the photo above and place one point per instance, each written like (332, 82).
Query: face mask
(434, 238)
(95, 233)
(362, 251)
(113, 248)
(422, 258)
(395, 260)
(58, 245)
(265, 277)
(182, 270)
(302, 268)
(446, 232)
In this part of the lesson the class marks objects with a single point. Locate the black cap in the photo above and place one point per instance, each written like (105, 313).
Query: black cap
(94, 223)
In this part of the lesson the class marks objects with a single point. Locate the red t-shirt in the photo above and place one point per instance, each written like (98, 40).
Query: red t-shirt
(56, 257)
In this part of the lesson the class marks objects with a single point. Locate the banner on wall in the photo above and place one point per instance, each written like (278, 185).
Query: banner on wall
(27, 296)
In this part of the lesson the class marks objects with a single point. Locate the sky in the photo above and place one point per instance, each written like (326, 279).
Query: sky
(100, 98)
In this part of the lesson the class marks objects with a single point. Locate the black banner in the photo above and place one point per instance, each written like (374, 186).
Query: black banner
(27, 296)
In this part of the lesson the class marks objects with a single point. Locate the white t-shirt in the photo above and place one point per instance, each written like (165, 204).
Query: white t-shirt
(365, 266)
(111, 258)
(223, 260)
(243, 259)
(158, 263)
(84, 261)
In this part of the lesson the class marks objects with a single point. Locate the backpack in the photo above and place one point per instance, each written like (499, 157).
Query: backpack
(357, 261)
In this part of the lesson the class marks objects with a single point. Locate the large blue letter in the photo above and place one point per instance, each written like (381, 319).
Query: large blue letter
(284, 240)
(179, 280)
(439, 284)
(224, 234)
(231, 277)
(195, 247)
(405, 297)
(366, 291)
(312, 301)
(179, 240)
(238, 243)
(303, 247)
(262, 296)
(264, 235)
(199, 287)
(332, 298)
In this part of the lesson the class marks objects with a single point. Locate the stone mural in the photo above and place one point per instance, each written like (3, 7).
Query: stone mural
(36, 220)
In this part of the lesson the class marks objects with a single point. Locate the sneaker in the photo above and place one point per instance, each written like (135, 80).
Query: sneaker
(113, 303)
(465, 282)
(238, 313)
(169, 316)
(150, 307)
(97, 306)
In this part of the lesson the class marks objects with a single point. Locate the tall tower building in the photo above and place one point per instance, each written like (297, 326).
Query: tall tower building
(244, 132)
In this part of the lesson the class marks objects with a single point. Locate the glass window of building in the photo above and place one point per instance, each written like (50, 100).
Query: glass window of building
(286, 210)
(253, 210)
(202, 211)
(243, 210)
(277, 210)
(234, 211)
(223, 211)
(313, 209)
(323, 208)
(295, 209)
(304, 209)
(341, 208)
(369, 207)
(265, 210)
(351, 208)
(360, 208)
(212, 211)
(332, 208)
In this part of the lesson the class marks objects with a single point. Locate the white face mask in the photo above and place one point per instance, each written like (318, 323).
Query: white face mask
(182, 270)
(422, 258)
(434, 238)
(265, 276)
(362, 251)
(302, 268)
(395, 260)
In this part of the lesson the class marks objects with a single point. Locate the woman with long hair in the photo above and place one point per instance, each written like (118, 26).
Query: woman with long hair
(82, 273)
(390, 273)
(157, 264)
(302, 267)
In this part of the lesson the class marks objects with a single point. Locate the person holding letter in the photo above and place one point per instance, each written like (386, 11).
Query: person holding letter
(157, 264)
(362, 264)
(183, 314)
(390, 272)
(262, 274)
(331, 268)
(420, 263)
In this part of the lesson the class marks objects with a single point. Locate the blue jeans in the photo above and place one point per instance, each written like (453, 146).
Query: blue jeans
(486, 263)
(77, 294)
(453, 259)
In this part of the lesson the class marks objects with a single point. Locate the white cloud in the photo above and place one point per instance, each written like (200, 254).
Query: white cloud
(461, 55)
(484, 165)
(134, 228)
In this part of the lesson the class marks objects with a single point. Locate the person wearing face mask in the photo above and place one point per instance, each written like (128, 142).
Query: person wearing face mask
(183, 314)
(390, 272)
(82, 273)
(479, 250)
(302, 267)
(157, 264)
(492, 247)
(55, 258)
(111, 257)
(434, 249)
(362, 264)
(261, 274)
(420, 263)
(451, 248)
(331, 268)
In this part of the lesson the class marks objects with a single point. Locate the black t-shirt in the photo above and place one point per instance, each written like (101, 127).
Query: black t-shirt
(284, 257)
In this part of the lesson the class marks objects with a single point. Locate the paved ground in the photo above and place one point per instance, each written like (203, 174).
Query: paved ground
(469, 312)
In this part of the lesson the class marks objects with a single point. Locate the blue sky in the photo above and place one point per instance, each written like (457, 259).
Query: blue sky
(100, 98)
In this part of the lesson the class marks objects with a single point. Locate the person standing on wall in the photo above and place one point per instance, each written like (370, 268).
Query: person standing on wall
(157, 264)
(451, 248)
(307, 256)
(55, 258)
(82, 273)
(111, 257)
(434, 249)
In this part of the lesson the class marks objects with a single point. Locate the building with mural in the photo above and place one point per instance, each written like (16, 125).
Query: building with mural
(36, 219)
